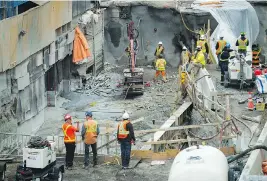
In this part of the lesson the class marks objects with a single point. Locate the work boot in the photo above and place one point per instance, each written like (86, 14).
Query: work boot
(222, 79)
(85, 167)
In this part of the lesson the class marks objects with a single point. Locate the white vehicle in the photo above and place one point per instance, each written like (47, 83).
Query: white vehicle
(239, 71)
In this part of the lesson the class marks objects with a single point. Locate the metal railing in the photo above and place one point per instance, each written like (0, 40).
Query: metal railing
(12, 144)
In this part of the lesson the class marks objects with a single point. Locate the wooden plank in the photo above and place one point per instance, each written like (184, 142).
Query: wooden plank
(181, 141)
(176, 128)
(134, 162)
(170, 153)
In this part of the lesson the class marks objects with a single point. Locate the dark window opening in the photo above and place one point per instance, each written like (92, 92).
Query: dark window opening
(26, 6)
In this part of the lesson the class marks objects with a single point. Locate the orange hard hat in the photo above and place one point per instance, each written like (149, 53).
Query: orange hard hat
(67, 116)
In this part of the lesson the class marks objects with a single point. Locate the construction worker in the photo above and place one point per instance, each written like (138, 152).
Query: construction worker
(256, 55)
(125, 136)
(69, 139)
(204, 46)
(198, 61)
(219, 47)
(185, 55)
(224, 60)
(160, 68)
(242, 44)
(90, 131)
(159, 50)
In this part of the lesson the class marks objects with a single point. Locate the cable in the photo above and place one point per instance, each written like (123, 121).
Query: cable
(209, 138)
(242, 154)
(38, 142)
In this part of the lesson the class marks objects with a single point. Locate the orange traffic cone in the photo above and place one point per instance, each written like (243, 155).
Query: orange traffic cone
(251, 106)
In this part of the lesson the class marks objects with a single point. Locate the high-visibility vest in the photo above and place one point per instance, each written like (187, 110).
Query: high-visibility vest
(69, 135)
(202, 44)
(222, 44)
(200, 58)
(242, 44)
(90, 136)
(160, 64)
(159, 50)
(255, 58)
(123, 133)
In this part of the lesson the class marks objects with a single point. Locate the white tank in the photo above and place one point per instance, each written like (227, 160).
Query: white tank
(205, 163)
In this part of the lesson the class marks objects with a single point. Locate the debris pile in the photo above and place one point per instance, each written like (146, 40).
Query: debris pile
(105, 84)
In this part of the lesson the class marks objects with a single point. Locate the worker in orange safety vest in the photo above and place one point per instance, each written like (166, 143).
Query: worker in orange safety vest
(69, 140)
(219, 47)
(90, 131)
(125, 136)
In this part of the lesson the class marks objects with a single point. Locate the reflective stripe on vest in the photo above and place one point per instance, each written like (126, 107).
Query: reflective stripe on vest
(123, 133)
(160, 64)
(242, 44)
(202, 44)
(90, 136)
(159, 50)
(222, 44)
(67, 138)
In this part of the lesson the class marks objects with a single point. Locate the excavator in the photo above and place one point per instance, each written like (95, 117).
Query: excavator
(133, 76)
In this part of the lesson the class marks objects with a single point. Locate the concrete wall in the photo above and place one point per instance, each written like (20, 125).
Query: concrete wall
(39, 25)
(253, 165)
(261, 10)
(170, 30)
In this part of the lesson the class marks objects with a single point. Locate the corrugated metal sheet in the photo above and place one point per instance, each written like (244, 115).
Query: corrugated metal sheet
(39, 24)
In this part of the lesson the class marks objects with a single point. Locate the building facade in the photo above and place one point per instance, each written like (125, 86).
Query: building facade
(36, 56)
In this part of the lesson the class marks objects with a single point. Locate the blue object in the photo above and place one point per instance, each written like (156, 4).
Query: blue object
(8, 8)
(89, 113)
(228, 45)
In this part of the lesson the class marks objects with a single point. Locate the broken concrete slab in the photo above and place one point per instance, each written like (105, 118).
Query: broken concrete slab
(23, 81)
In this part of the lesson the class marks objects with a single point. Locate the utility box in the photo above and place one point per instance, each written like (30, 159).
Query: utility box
(39, 158)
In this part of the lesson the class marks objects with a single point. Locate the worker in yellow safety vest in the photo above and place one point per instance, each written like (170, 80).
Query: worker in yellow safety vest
(69, 139)
(204, 46)
(185, 55)
(90, 131)
(255, 55)
(242, 44)
(219, 47)
(160, 68)
(198, 61)
(125, 136)
(159, 51)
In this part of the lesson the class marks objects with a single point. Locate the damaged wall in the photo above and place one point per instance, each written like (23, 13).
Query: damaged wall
(169, 29)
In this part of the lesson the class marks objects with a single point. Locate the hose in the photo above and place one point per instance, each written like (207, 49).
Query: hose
(232, 159)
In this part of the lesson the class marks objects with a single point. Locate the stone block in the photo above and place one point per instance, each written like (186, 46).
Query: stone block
(39, 58)
(70, 37)
(52, 47)
(23, 81)
(66, 86)
(3, 81)
(21, 69)
(61, 53)
(52, 59)
(51, 98)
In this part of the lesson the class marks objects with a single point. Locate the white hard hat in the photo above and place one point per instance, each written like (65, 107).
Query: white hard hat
(160, 43)
(184, 48)
(198, 47)
(125, 116)
(202, 37)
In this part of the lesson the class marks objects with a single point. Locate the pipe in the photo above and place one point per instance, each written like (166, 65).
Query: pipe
(242, 154)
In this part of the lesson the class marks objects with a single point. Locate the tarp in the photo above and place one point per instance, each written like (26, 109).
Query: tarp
(80, 47)
(233, 17)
